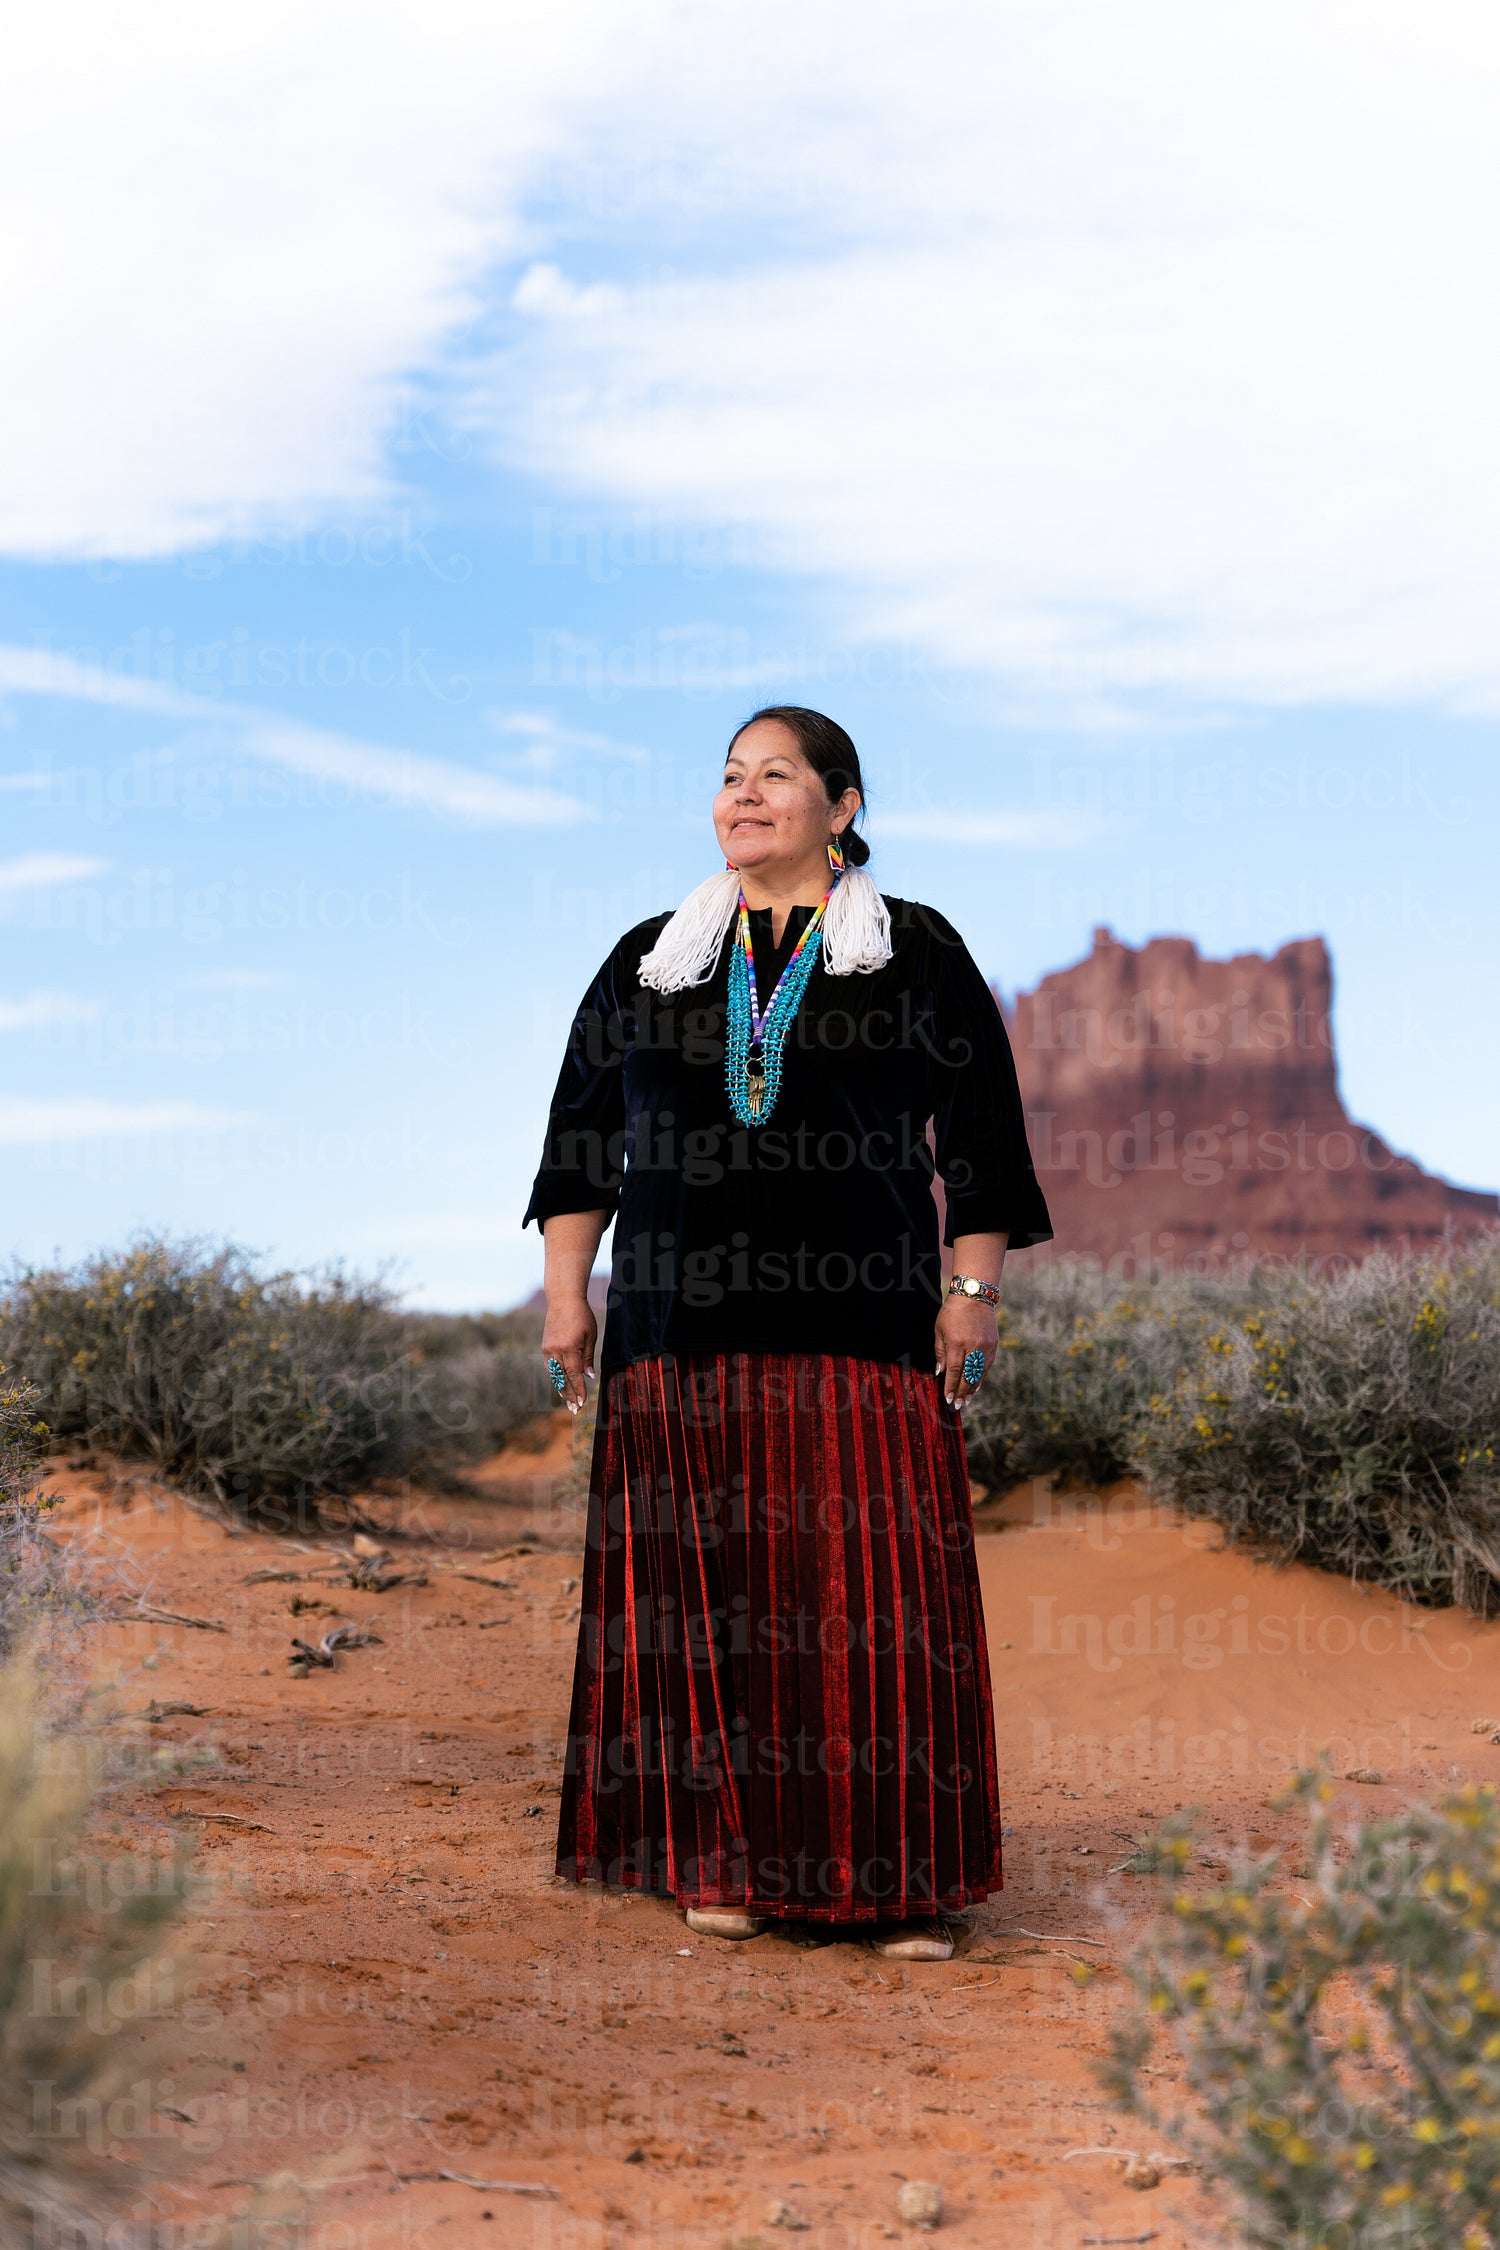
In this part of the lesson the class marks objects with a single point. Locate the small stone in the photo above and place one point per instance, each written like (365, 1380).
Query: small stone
(1363, 1773)
(1483, 1726)
(919, 2204)
(1140, 2172)
(780, 2214)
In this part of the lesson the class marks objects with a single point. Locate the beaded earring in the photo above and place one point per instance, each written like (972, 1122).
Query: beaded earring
(835, 856)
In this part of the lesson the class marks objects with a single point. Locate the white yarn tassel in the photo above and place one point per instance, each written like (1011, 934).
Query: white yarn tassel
(689, 945)
(856, 926)
(856, 931)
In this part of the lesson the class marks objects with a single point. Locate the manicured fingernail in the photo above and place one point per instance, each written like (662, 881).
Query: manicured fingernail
(952, 1401)
(572, 1406)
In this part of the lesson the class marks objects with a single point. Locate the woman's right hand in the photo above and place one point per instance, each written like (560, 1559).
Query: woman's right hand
(569, 1336)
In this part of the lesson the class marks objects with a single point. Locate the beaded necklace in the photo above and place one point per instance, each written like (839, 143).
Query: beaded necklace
(752, 1053)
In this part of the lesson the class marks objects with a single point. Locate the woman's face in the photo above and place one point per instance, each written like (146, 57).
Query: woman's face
(773, 810)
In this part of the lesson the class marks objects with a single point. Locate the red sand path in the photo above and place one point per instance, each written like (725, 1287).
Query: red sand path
(401, 1987)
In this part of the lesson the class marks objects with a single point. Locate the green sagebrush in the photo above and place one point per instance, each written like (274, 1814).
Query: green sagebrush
(34, 1586)
(97, 1960)
(1341, 2033)
(276, 1394)
(1077, 1362)
(91, 1970)
(1350, 1420)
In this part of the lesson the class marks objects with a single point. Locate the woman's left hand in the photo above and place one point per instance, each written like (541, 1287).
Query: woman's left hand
(965, 1324)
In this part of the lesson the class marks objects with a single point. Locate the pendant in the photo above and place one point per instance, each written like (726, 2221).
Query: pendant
(755, 1080)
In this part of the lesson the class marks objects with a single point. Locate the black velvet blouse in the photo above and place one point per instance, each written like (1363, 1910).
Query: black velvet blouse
(816, 1231)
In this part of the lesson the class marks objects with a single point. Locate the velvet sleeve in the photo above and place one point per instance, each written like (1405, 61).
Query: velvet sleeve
(583, 1157)
(983, 1156)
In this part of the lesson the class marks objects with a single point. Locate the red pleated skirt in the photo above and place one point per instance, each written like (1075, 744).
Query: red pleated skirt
(781, 1697)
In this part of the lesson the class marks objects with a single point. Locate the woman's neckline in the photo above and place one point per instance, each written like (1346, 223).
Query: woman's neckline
(797, 919)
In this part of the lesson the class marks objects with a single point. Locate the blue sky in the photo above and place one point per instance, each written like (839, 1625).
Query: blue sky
(386, 567)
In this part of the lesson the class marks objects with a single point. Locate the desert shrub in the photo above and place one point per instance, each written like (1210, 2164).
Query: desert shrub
(1342, 2036)
(88, 1967)
(1352, 1421)
(278, 1394)
(1079, 1360)
(23, 1438)
(256, 1390)
(488, 1372)
(33, 1581)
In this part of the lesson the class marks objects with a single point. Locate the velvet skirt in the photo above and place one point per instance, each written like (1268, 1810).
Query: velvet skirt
(781, 1695)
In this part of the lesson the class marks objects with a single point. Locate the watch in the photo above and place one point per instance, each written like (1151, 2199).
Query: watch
(969, 1285)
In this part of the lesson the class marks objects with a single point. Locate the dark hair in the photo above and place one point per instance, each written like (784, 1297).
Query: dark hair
(832, 756)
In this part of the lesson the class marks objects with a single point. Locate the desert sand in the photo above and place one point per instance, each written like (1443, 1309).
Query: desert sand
(393, 1986)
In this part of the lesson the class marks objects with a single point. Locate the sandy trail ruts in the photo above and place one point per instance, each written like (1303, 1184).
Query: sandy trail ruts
(400, 1987)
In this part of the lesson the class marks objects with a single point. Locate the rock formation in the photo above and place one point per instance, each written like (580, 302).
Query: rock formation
(1187, 1112)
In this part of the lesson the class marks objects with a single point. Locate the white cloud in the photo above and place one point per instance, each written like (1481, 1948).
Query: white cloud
(402, 777)
(24, 1123)
(41, 1008)
(375, 773)
(231, 240)
(547, 738)
(544, 288)
(35, 871)
(1102, 351)
(45, 671)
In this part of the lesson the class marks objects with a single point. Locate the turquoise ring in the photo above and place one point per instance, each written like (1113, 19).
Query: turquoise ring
(974, 1367)
(559, 1374)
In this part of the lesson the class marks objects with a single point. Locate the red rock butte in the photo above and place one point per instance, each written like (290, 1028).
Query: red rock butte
(1186, 1113)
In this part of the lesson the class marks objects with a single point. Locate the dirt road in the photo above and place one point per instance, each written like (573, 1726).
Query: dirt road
(398, 1988)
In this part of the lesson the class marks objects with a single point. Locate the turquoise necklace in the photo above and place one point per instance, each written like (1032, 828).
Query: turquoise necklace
(752, 1053)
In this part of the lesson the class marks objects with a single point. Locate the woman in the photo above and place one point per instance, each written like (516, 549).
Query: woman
(781, 1700)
